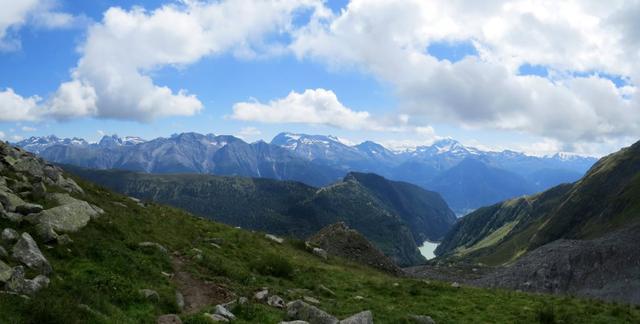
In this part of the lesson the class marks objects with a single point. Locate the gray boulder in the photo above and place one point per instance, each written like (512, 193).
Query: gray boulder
(68, 218)
(5, 272)
(10, 200)
(223, 311)
(299, 310)
(294, 322)
(28, 208)
(180, 301)
(365, 317)
(261, 295)
(276, 301)
(169, 319)
(20, 285)
(3, 253)
(150, 294)
(26, 251)
(320, 253)
(12, 217)
(9, 235)
(154, 245)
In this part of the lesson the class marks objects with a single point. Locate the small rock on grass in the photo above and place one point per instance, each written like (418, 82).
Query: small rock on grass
(222, 311)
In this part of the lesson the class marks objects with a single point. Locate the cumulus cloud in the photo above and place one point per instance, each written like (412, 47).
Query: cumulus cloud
(578, 42)
(113, 76)
(320, 107)
(313, 106)
(15, 14)
(14, 107)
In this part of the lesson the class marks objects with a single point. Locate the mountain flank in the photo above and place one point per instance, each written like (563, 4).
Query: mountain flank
(575, 238)
(397, 217)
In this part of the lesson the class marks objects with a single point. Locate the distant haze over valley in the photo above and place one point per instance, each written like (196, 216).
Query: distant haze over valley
(466, 177)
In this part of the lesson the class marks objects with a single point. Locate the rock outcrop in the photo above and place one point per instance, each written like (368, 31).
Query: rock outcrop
(339, 240)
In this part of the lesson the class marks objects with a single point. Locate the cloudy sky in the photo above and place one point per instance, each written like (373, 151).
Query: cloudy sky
(538, 76)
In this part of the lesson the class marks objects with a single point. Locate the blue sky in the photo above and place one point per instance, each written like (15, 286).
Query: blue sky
(380, 70)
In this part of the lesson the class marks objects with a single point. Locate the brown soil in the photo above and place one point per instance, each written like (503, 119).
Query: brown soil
(197, 293)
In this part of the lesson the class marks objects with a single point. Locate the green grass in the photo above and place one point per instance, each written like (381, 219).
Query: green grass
(104, 268)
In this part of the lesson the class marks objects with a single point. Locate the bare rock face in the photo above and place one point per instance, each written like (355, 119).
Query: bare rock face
(299, 310)
(365, 317)
(339, 240)
(604, 268)
(26, 251)
(5, 272)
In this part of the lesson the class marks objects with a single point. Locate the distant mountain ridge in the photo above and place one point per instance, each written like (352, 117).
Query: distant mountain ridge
(395, 216)
(319, 160)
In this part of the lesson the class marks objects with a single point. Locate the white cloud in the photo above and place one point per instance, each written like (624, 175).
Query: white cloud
(17, 13)
(14, 107)
(113, 72)
(248, 133)
(322, 107)
(28, 129)
(388, 39)
(2, 135)
(317, 106)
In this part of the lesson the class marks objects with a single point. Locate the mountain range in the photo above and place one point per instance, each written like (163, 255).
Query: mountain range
(319, 160)
(396, 216)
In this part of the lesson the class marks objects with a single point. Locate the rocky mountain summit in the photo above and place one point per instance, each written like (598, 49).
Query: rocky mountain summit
(36, 199)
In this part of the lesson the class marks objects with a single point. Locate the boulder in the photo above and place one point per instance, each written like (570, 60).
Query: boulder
(169, 319)
(455, 285)
(28, 208)
(20, 285)
(67, 218)
(276, 301)
(320, 253)
(10, 200)
(149, 294)
(261, 295)
(9, 235)
(5, 272)
(46, 233)
(223, 311)
(311, 300)
(365, 317)
(215, 317)
(294, 322)
(274, 238)
(26, 251)
(12, 217)
(180, 301)
(39, 190)
(3, 253)
(154, 245)
(421, 319)
(299, 310)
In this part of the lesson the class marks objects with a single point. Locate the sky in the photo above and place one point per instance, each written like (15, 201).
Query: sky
(533, 76)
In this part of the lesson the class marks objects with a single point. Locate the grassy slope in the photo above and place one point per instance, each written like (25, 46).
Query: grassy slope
(104, 268)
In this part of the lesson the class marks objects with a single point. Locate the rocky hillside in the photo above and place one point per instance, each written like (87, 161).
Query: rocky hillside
(397, 217)
(339, 240)
(574, 238)
(88, 255)
(35, 202)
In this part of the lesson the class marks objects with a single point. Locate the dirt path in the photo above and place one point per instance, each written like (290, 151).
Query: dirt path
(197, 293)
